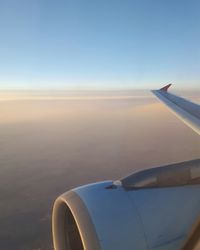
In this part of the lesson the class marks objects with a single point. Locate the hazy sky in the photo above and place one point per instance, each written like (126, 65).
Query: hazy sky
(99, 43)
(48, 147)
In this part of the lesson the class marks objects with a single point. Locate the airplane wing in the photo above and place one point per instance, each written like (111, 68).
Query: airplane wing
(186, 110)
(153, 209)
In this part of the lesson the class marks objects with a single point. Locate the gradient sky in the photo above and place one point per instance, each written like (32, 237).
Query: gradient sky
(99, 43)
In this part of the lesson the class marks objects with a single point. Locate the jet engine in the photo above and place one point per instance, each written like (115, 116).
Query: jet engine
(152, 209)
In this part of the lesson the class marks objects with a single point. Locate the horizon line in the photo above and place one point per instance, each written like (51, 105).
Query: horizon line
(96, 89)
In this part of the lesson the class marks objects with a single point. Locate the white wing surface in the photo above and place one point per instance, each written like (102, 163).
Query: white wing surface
(186, 110)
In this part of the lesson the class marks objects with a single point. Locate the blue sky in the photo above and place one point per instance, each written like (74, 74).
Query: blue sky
(99, 43)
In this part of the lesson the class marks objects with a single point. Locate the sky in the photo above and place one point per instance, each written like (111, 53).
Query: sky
(99, 44)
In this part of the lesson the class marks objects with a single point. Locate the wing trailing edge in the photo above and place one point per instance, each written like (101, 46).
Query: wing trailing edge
(186, 110)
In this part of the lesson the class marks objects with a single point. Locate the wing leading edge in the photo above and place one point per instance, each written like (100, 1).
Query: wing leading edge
(186, 110)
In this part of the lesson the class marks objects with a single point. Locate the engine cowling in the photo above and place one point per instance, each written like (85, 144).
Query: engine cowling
(152, 209)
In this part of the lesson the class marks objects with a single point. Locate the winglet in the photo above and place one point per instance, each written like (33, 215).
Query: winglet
(165, 88)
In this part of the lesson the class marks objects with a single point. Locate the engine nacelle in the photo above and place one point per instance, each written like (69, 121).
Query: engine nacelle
(151, 209)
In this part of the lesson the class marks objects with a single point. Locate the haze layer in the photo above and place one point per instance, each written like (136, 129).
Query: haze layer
(52, 143)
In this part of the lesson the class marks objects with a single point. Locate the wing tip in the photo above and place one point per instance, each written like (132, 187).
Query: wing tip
(166, 87)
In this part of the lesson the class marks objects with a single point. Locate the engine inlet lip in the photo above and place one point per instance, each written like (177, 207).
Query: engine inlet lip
(72, 201)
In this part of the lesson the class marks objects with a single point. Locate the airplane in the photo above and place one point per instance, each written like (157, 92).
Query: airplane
(153, 209)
